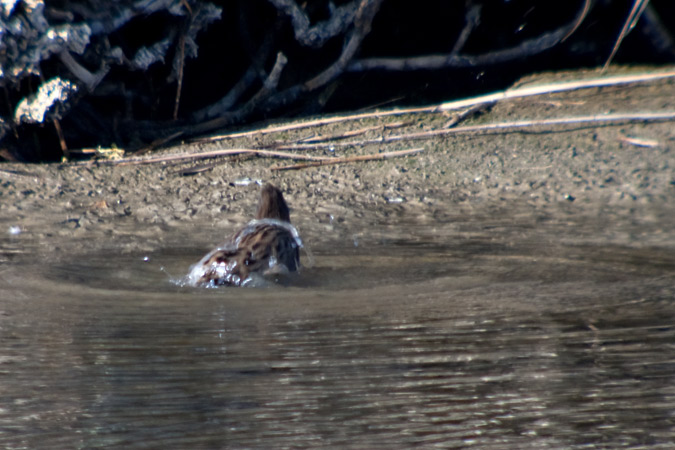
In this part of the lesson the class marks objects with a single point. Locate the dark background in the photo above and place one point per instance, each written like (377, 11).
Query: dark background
(132, 108)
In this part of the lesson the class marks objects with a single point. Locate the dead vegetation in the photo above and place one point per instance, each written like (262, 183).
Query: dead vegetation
(141, 73)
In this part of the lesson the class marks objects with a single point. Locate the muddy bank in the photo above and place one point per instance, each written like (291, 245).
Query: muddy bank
(623, 174)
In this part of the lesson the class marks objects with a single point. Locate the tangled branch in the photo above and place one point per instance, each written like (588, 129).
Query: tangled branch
(80, 74)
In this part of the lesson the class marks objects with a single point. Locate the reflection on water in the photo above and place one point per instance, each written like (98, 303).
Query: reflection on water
(453, 337)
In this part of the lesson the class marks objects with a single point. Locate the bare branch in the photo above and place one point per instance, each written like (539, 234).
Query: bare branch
(429, 62)
(223, 105)
(341, 18)
(270, 101)
(472, 19)
(91, 80)
(362, 23)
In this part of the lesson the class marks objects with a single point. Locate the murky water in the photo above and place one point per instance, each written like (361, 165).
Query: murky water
(488, 333)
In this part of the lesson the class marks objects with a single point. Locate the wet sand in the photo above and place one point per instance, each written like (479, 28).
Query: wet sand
(587, 170)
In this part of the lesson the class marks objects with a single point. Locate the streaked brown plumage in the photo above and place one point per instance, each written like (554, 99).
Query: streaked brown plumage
(267, 245)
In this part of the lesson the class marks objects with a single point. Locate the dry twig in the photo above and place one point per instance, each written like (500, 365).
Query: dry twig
(351, 133)
(550, 88)
(348, 159)
(179, 80)
(503, 127)
(208, 155)
(512, 93)
(635, 13)
(313, 124)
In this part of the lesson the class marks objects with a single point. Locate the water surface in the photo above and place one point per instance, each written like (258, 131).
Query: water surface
(492, 332)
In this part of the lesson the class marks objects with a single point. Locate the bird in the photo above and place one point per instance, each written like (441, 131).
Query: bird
(268, 246)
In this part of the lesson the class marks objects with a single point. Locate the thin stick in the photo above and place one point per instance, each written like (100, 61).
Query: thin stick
(316, 123)
(208, 155)
(463, 115)
(549, 88)
(575, 120)
(181, 56)
(156, 143)
(459, 104)
(354, 133)
(635, 13)
(499, 127)
(495, 127)
(62, 139)
(179, 81)
(348, 159)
